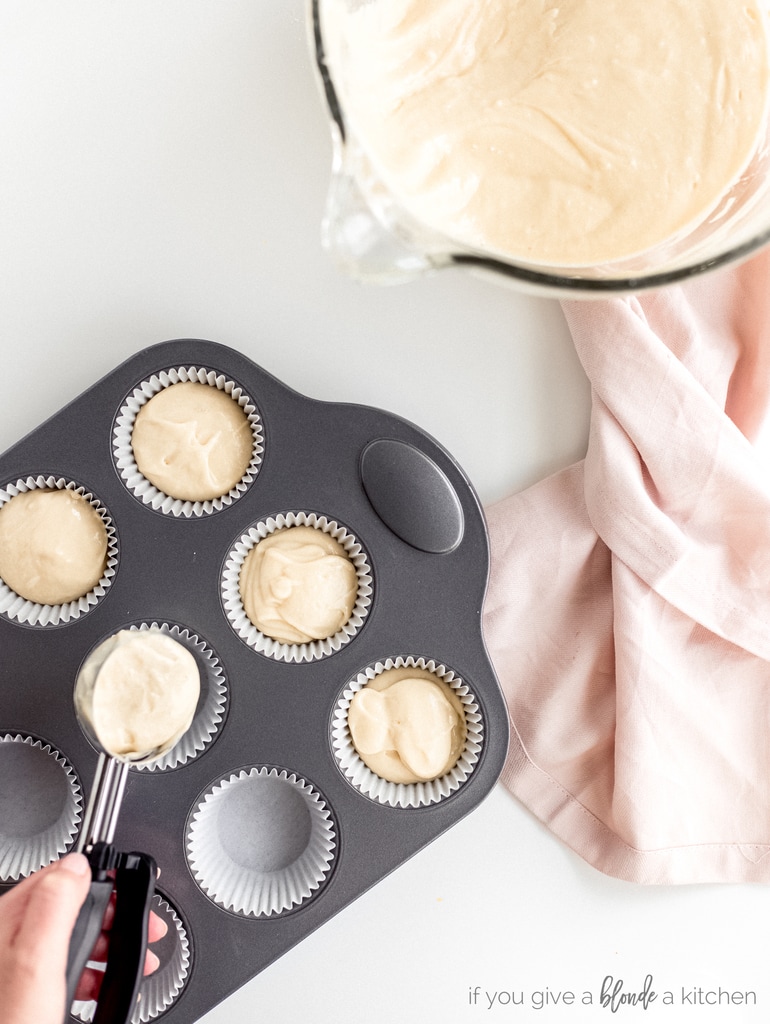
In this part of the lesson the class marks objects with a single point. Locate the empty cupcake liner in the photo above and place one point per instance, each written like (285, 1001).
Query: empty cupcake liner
(31, 613)
(416, 794)
(123, 452)
(245, 628)
(211, 705)
(159, 990)
(41, 805)
(260, 842)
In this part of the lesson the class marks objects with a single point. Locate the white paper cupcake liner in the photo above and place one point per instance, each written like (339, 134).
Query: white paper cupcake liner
(211, 704)
(260, 842)
(31, 613)
(159, 990)
(123, 453)
(41, 805)
(245, 628)
(417, 794)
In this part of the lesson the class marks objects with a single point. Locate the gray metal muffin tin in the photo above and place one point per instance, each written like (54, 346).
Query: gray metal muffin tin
(427, 598)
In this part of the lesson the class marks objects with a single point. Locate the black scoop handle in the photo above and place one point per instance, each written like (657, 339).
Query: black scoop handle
(134, 886)
(85, 933)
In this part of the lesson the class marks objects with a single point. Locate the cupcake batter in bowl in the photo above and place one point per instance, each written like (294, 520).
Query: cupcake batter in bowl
(571, 133)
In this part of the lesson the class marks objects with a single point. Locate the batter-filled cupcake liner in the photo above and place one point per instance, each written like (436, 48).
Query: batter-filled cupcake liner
(32, 613)
(159, 990)
(123, 452)
(261, 842)
(417, 794)
(212, 702)
(41, 805)
(245, 628)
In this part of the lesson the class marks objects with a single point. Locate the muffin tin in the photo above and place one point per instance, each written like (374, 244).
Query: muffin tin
(263, 825)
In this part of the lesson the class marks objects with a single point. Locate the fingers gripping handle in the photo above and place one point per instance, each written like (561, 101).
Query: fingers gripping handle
(85, 933)
(134, 886)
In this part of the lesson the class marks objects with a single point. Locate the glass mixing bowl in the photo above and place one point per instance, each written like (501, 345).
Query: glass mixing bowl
(373, 238)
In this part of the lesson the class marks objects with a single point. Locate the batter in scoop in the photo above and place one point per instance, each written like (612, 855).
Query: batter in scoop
(138, 691)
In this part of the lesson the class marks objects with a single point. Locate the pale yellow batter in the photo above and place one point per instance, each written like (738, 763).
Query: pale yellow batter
(298, 585)
(53, 545)
(407, 725)
(570, 132)
(192, 441)
(138, 690)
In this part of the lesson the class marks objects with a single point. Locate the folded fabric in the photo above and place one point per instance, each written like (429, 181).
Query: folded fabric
(628, 612)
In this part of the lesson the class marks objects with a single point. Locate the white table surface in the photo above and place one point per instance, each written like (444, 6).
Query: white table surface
(163, 169)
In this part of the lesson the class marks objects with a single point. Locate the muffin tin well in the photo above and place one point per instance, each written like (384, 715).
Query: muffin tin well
(261, 822)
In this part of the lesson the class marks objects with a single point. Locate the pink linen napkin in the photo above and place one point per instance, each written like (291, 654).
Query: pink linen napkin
(628, 613)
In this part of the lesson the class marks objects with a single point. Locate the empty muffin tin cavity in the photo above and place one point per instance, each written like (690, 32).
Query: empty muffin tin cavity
(417, 794)
(233, 603)
(261, 841)
(123, 451)
(32, 613)
(40, 805)
(159, 990)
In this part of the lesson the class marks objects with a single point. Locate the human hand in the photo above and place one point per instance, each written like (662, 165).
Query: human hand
(36, 921)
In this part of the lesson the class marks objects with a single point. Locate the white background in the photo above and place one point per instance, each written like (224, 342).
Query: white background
(163, 169)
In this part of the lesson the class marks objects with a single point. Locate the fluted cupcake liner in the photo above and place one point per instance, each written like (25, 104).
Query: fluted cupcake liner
(159, 990)
(41, 801)
(123, 452)
(212, 703)
(245, 628)
(417, 794)
(32, 613)
(278, 855)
